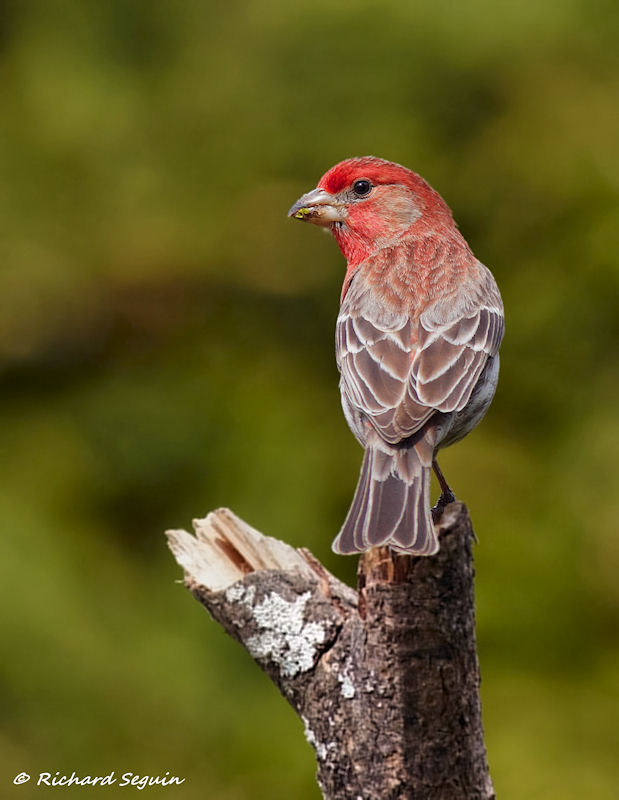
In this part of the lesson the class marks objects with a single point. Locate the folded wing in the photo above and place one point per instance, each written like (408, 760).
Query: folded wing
(396, 373)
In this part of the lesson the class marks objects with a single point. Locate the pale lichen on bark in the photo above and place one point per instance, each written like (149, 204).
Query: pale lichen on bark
(284, 637)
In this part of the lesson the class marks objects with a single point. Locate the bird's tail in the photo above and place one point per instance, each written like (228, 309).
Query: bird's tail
(391, 505)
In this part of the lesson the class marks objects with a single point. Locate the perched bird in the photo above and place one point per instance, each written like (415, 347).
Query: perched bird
(417, 341)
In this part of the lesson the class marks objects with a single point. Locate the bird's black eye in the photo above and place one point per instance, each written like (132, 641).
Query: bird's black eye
(362, 187)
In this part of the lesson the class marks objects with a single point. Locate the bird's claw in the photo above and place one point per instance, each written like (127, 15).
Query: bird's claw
(444, 500)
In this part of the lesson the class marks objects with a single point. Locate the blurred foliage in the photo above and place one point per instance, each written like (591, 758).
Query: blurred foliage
(166, 347)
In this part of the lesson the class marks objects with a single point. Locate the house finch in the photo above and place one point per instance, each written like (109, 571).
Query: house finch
(417, 340)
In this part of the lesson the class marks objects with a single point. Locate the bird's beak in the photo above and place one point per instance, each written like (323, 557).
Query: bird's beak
(319, 207)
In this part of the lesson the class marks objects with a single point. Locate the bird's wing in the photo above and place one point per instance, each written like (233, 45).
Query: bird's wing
(397, 372)
(375, 354)
(456, 337)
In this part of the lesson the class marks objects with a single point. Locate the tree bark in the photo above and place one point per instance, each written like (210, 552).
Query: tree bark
(385, 679)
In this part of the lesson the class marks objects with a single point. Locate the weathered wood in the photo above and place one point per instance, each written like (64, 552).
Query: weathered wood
(386, 680)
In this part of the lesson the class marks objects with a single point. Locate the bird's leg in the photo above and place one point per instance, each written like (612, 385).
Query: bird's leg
(447, 496)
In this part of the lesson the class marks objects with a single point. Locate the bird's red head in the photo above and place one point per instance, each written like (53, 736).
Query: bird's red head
(370, 203)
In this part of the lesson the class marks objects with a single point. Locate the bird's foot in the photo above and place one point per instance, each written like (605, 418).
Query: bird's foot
(444, 500)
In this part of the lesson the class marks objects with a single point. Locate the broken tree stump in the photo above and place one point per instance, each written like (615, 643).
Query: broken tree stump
(385, 679)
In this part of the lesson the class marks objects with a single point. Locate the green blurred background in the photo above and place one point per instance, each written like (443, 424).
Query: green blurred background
(166, 347)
